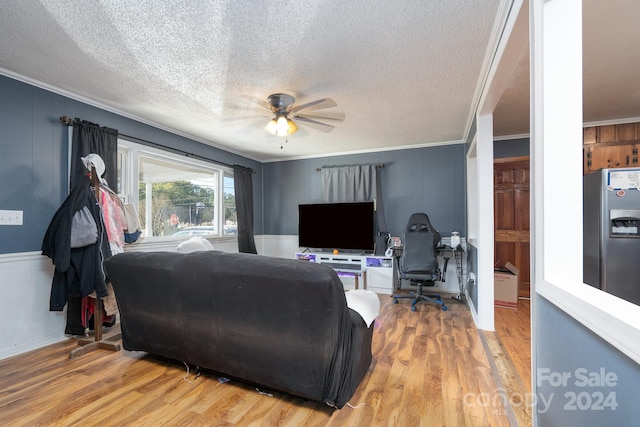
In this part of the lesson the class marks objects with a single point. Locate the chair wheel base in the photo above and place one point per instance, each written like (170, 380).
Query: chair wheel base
(418, 297)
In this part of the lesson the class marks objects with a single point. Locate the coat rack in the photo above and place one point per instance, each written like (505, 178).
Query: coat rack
(109, 343)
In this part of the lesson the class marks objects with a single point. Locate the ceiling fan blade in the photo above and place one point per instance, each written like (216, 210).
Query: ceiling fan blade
(324, 127)
(253, 117)
(316, 105)
(261, 102)
(334, 116)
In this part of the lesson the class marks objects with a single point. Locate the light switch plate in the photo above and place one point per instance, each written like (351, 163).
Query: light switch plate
(10, 217)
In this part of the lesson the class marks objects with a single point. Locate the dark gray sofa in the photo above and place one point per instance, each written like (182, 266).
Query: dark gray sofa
(282, 324)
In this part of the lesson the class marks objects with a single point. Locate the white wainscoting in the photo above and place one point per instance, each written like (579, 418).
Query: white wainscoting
(285, 246)
(25, 320)
(25, 286)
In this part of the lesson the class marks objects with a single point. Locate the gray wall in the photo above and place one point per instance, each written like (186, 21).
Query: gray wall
(565, 346)
(33, 157)
(430, 180)
(511, 148)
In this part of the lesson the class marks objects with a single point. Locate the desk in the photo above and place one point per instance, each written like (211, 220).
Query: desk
(457, 256)
(441, 251)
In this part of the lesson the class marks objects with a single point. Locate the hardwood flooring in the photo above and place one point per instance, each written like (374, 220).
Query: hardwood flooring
(429, 368)
(513, 327)
(510, 350)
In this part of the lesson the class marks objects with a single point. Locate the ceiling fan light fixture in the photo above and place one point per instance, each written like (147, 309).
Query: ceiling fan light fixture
(291, 127)
(281, 126)
(272, 127)
(282, 106)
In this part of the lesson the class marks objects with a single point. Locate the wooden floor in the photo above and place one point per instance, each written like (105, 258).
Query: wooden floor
(513, 328)
(510, 350)
(430, 368)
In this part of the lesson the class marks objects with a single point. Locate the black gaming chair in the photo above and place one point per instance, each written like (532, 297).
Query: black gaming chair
(419, 262)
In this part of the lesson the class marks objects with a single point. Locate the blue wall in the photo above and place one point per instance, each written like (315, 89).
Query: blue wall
(511, 148)
(33, 157)
(566, 347)
(430, 180)
(33, 168)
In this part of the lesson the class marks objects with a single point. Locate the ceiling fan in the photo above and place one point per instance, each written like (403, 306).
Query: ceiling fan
(284, 110)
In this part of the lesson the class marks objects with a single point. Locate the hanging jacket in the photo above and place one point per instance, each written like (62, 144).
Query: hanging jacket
(78, 271)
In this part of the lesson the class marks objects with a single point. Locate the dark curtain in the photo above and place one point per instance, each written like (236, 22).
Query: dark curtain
(91, 138)
(243, 185)
(354, 184)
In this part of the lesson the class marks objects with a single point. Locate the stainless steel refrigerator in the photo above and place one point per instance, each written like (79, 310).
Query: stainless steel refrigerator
(611, 235)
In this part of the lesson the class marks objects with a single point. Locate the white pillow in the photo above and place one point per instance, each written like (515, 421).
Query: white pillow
(194, 244)
(365, 303)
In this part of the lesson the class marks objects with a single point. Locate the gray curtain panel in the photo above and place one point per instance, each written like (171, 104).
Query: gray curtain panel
(354, 184)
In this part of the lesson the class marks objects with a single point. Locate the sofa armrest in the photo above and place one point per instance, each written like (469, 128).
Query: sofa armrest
(362, 337)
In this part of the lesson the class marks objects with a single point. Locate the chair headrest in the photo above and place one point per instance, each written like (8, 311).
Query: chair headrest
(419, 227)
(419, 222)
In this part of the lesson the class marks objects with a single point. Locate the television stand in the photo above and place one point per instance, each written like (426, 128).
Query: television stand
(377, 272)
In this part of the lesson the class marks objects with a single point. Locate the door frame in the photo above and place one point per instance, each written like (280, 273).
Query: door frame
(505, 160)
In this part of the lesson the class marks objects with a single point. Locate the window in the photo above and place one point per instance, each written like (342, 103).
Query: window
(175, 195)
(230, 215)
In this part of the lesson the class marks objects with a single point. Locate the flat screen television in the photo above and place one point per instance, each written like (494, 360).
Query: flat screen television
(348, 225)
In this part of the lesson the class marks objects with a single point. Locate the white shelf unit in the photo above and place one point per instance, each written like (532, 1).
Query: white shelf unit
(380, 269)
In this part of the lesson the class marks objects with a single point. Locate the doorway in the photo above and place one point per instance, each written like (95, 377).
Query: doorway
(511, 244)
(511, 217)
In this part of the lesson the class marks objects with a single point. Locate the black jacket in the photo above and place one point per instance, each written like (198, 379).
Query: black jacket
(77, 271)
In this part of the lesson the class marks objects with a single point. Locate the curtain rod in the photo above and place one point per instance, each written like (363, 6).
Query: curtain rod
(70, 122)
(379, 166)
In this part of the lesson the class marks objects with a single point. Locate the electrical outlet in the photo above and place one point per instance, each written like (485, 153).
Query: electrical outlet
(10, 217)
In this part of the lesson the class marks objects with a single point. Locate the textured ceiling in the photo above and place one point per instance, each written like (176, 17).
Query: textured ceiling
(403, 73)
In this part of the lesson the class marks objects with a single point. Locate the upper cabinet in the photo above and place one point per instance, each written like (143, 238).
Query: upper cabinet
(610, 146)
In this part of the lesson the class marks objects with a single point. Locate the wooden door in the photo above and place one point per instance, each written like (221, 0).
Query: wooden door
(511, 217)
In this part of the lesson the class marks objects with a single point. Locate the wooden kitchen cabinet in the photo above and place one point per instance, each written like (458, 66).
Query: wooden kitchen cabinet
(628, 132)
(590, 135)
(606, 134)
(610, 146)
